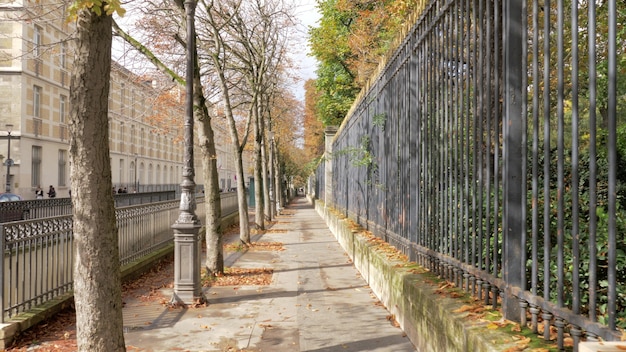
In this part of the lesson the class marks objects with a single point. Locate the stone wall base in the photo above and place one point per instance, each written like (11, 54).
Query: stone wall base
(432, 321)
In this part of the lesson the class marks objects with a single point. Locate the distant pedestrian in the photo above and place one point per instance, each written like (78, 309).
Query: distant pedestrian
(52, 193)
(39, 193)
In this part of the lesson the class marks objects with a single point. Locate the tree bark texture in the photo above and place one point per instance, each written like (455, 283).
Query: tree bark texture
(214, 261)
(97, 284)
(244, 224)
(260, 180)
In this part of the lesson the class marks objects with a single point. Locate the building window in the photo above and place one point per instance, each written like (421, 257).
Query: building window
(37, 101)
(62, 167)
(36, 166)
(141, 177)
(132, 104)
(37, 41)
(121, 171)
(132, 174)
(63, 63)
(150, 180)
(122, 99)
(142, 141)
(62, 108)
(6, 28)
(63, 55)
(121, 137)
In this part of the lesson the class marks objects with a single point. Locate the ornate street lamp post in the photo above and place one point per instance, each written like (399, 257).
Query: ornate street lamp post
(187, 287)
(9, 161)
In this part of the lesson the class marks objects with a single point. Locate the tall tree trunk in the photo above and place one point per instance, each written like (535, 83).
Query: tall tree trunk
(97, 283)
(264, 170)
(214, 261)
(278, 184)
(259, 179)
(244, 224)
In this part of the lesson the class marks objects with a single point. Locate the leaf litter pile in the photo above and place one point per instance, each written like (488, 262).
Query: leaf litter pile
(242, 277)
(58, 333)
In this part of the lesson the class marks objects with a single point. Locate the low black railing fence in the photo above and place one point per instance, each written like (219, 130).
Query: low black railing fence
(489, 150)
(43, 208)
(37, 255)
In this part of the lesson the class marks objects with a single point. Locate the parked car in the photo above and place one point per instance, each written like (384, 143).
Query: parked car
(12, 208)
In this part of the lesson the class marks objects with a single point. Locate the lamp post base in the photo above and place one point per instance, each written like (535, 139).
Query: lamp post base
(187, 266)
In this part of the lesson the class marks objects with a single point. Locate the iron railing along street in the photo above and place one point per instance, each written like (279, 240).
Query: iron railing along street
(489, 150)
(38, 254)
(43, 208)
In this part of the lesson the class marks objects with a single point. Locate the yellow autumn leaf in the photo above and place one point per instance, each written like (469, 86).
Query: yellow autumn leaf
(492, 326)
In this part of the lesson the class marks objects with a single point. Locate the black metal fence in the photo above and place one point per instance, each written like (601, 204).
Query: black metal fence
(43, 208)
(489, 150)
(318, 185)
(37, 256)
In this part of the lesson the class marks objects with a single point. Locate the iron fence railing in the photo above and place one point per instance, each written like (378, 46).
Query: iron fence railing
(489, 150)
(320, 185)
(44, 208)
(37, 257)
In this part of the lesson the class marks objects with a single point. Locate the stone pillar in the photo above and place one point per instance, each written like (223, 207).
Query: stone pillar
(329, 135)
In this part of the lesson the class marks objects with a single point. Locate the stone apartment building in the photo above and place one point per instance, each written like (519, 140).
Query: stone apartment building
(35, 65)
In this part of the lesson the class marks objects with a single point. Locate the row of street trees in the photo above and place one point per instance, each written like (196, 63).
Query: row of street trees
(241, 74)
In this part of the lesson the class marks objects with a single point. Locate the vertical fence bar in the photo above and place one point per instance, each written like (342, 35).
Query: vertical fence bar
(428, 141)
(489, 113)
(593, 195)
(422, 141)
(480, 153)
(535, 165)
(513, 274)
(575, 331)
(612, 128)
(446, 184)
(467, 132)
(496, 129)
(524, 239)
(437, 148)
(475, 114)
(458, 127)
(547, 245)
(560, 231)
(413, 132)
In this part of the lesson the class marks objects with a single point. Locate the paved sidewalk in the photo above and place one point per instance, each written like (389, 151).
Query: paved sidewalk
(317, 302)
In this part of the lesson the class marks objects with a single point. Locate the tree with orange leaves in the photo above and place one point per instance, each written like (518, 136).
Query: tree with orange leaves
(313, 127)
(352, 37)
